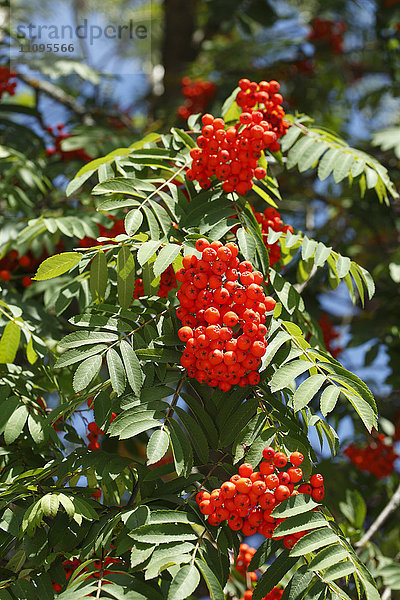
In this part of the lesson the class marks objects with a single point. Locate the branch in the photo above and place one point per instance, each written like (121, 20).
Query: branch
(101, 575)
(393, 503)
(387, 593)
(174, 401)
(299, 287)
(207, 477)
(51, 90)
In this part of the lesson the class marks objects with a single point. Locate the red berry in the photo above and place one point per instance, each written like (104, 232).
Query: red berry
(316, 480)
(207, 119)
(201, 244)
(26, 281)
(268, 452)
(5, 275)
(228, 489)
(244, 485)
(260, 173)
(280, 459)
(282, 492)
(206, 507)
(296, 458)
(295, 474)
(230, 319)
(212, 315)
(318, 493)
(245, 470)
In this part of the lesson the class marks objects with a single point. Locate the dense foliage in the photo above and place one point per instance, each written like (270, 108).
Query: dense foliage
(165, 348)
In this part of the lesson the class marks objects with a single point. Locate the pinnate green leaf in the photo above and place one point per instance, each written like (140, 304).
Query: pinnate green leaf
(163, 533)
(284, 376)
(98, 277)
(294, 505)
(132, 367)
(214, 586)
(328, 557)
(328, 400)
(15, 424)
(125, 277)
(313, 541)
(273, 574)
(184, 583)
(9, 343)
(117, 371)
(301, 522)
(86, 372)
(157, 446)
(57, 265)
(165, 258)
(306, 391)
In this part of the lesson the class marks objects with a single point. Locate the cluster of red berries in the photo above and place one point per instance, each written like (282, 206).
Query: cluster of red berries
(15, 264)
(59, 134)
(197, 94)
(116, 229)
(329, 32)
(243, 560)
(377, 457)
(232, 155)
(275, 594)
(73, 563)
(330, 334)
(271, 219)
(247, 500)
(167, 283)
(222, 310)
(8, 82)
(264, 97)
(94, 432)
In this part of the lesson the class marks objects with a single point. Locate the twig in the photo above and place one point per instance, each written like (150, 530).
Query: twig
(101, 574)
(59, 95)
(393, 503)
(299, 287)
(387, 593)
(174, 400)
(207, 477)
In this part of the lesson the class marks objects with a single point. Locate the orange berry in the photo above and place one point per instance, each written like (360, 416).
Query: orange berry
(206, 507)
(295, 474)
(228, 489)
(266, 467)
(245, 470)
(244, 485)
(296, 458)
(280, 459)
(282, 492)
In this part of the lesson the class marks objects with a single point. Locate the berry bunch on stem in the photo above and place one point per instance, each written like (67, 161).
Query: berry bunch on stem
(330, 334)
(264, 98)
(271, 219)
(231, 155)
(8, 83)
(329, 32)
(248, 499)
(377, 457)
(15, 266)
(197, 94)
(167, 283)
(275, 594)
(222, 310)
(59, 134)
